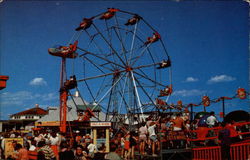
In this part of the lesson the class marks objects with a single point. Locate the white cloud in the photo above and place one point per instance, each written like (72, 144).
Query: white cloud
(189, 93)
(22, 97)
(16, 98)
(38, 82)
(191, 79)
(49, 97)
(221, 78)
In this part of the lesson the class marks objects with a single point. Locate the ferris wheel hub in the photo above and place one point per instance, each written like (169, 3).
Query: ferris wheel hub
(129, 68)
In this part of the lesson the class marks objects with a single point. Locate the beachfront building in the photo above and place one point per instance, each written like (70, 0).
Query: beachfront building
(25, 120)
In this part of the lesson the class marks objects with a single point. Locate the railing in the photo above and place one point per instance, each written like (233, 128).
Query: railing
(240, 151)
(202, 132)
(207, 153)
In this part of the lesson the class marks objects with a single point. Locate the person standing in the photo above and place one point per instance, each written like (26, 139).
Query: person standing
(22, 153)
(54, 140)
(152, 136)
(45, 151)
(132, 144)
(66, 153)
(112, 155)
(178, 123)
(92, 149)
(224, 137)
(79, 153)
(122, 145)
(211, 120)
(143, 131)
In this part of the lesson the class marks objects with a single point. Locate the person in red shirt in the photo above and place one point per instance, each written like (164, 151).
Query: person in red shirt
(233, 132)
(22, 153)
(178, 123)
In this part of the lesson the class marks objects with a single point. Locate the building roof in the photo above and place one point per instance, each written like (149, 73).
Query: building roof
(73, 107)
(32, 111)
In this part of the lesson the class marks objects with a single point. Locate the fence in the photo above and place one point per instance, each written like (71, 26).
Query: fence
(208, 153)
(239, 151)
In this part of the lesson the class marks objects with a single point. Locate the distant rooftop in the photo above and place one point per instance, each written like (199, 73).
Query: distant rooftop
(33, 111)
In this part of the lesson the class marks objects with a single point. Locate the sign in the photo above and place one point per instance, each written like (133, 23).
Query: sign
(48, 123)
(100, 124)
(8, 146)
(101, 141)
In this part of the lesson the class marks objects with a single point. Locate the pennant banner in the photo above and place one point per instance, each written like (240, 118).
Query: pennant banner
(205, 101)
(241, 93)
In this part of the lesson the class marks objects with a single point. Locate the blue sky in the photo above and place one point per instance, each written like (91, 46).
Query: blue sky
(207, 42)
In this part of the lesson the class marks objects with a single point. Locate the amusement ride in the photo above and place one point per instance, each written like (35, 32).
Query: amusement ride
(125, 66)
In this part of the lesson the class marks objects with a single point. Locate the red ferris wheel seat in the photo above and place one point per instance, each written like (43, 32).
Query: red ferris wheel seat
(85, 24)
(166, 91)
(133, 20)
(156, 36)
(109, 14)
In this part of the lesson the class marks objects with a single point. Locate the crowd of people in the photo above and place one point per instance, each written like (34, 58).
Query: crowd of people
(148, 138)
(55, 146)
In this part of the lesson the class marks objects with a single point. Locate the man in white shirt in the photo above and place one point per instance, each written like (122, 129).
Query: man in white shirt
(152, 136)
(92, 149)
(211, 120)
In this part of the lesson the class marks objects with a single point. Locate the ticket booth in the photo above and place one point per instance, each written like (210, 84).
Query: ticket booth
(100, 131)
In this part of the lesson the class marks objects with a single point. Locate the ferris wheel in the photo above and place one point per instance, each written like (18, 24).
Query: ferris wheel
(125, 64)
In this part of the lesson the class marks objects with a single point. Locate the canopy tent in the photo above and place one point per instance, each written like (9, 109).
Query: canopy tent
(237, 116)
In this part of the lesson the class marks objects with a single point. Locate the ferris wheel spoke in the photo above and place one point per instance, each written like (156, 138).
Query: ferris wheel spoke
(143, 73)
(107, 93)
(109, 102)
(136, 92)
(91, 94)
(143, 89)
(94, 64)
(94, 77)
(100, 57)
(109, 37)
(122, 94)
(141, 54)
(146, 77)
(122, 43)
(119, 35)
(101, 88)
(129, 31)
(75, 36)
(133, 33)
(109, 45)
(132, 43)
(92, 39)
(145, 66)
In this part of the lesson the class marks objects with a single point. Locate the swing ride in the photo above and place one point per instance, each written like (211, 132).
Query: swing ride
(125, 66)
